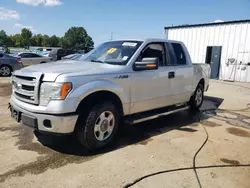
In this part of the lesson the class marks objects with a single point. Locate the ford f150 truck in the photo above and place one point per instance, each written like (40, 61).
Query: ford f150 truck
(123, 80)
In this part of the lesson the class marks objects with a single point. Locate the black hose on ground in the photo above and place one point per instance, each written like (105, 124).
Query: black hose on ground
(195, 155)
(194, 167)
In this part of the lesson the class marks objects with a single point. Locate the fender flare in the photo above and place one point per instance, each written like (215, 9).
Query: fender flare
(99, 85)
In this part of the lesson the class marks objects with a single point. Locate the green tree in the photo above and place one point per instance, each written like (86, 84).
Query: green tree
(33, 41)
(89, 43)
(46, 41)
(9, 42)
(54, 41)
(26, 35)
(17, 40)
(39, 39)
(3, 37)
(77, 38)
(62, 42)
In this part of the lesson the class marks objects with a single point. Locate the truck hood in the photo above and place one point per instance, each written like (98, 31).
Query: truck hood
(53, 69)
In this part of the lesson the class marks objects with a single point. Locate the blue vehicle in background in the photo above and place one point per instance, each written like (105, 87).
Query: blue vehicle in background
(9, 63)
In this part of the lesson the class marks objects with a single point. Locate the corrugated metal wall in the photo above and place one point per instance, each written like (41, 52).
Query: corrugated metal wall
(235, 42)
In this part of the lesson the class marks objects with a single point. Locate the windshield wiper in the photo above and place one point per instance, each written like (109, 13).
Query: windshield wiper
(97, 61)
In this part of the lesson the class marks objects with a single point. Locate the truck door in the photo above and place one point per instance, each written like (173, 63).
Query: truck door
(183, 74)
(151, 89)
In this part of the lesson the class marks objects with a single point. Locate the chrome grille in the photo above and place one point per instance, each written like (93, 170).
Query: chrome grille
(25, 88)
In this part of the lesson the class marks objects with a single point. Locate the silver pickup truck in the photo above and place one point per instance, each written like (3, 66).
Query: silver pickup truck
(123, 80)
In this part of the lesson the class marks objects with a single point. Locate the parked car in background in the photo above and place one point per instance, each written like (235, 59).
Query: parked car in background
(45, 53)
(33, 58)
(77, 57)
(1, 49)
(9, 64)
(68, 56)
(42, 51)
(57, 54)
(72, 57)
(47, 49)
(37, 50)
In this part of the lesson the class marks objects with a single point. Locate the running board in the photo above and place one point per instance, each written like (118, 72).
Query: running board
(153, 115)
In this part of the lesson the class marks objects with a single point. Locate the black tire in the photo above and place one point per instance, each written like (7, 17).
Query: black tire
(194, 103)
(85, 131)
(42, 62)
(5, 70)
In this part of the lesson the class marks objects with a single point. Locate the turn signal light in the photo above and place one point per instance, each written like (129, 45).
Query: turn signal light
(66, 88)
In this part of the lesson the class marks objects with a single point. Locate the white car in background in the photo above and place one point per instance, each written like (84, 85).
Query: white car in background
(33, 58)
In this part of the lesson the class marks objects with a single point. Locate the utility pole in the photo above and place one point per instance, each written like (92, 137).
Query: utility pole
(111, 36)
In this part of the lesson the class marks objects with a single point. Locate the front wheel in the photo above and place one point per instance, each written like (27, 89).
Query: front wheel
(98, 128)
(197, 98)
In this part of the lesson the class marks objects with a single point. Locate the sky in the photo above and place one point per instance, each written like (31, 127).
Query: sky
(123, 18)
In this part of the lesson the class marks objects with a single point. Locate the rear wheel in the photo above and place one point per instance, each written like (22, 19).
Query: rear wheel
(98, 128)
(197, 98)
(5, 70)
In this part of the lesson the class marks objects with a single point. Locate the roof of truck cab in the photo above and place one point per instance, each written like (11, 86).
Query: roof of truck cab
(149, 40)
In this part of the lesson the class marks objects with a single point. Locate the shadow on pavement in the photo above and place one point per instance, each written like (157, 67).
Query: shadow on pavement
(136, 134)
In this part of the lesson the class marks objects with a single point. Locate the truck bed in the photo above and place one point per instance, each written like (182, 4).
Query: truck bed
(205, 70)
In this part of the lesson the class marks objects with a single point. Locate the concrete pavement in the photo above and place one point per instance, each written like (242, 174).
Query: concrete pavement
(35, 160)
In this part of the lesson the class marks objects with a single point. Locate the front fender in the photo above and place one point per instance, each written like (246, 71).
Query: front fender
(99, 85)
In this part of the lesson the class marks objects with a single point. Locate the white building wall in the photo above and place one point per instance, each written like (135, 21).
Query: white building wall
(234, 39)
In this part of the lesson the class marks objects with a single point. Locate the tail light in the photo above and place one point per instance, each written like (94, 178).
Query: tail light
(19, 60)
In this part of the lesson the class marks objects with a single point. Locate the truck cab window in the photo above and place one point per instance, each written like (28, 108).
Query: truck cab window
(155, 50)
(179, 53)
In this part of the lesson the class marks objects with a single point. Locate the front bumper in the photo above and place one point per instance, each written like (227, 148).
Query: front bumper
(60, 123)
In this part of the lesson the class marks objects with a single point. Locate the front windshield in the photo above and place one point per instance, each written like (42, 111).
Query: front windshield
(113, 52)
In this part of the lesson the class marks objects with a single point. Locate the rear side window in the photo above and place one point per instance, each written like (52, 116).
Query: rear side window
(24, 55)
(179, 53)
(34, 55)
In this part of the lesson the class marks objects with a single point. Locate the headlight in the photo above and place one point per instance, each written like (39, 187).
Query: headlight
(11, 78)
(53, 91)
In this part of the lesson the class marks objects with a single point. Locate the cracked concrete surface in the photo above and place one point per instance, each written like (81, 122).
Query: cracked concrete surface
(29, 159)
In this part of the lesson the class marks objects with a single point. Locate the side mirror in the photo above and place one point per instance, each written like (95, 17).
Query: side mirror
(147, 64)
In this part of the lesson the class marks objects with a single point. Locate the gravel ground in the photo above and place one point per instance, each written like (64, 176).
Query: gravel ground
(29, 159)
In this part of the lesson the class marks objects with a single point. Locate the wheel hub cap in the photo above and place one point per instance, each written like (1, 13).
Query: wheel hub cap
(198, 97)
(104, 126)
(5, 71)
